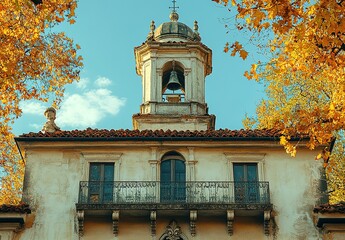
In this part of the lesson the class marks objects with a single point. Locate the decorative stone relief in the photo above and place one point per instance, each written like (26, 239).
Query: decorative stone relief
(173, 232)
(80, 217)
(230, 221)
(115, 217)
(153, 217)
(50, 126)
(187, 71)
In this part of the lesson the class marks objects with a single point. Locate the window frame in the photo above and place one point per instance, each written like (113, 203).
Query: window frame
(233, 158)
(245, 158)
(101, 157)
(103, 187)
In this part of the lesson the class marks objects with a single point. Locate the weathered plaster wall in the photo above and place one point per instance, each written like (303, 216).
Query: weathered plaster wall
(52, 181)
(51, 189)
(98, 228)
(6, 234)
(294, 184)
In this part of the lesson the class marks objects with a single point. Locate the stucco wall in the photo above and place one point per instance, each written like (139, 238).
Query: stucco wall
(51, 189)
(6, 234)
(52, 181)
(294, 184)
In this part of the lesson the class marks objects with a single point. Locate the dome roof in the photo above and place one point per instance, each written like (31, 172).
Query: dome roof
(175, 30)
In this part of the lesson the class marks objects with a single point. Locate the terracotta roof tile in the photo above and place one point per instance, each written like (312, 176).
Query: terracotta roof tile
(149, 134)
(330, 208)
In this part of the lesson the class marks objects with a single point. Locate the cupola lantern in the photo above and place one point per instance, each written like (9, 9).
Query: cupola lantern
(173, 65)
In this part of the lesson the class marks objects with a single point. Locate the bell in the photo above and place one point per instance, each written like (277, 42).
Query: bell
(173, 83)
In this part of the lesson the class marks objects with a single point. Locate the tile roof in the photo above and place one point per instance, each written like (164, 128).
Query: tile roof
(221, 134)
(330, 208)
(21, 208)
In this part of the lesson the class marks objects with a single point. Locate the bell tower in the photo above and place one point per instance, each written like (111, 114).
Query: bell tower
(173, 64)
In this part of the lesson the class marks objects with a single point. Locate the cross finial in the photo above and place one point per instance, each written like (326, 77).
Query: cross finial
(174, 6)
(173, 15)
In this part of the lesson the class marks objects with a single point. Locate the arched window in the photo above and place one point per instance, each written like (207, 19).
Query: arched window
(173, 82)
(173, 178)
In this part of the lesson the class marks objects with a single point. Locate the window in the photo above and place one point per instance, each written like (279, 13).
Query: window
(246, 182)
(101, 181)
(245, 172)
(173, 178)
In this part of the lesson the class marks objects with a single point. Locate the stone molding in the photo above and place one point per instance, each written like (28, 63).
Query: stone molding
(12, 222)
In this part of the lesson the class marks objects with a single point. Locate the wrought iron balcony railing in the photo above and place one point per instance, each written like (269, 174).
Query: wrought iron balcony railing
(154, 192)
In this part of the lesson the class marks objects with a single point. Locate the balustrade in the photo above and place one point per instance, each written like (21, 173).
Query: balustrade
(155, 192)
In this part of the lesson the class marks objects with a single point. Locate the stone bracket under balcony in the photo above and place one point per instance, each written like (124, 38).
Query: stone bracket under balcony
(152, 218)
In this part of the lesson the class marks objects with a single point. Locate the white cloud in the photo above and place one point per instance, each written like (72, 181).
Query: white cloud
(87, 109)
(82, 83)
(82, 108)
(35, 126)
(32, 107)
(102, 82)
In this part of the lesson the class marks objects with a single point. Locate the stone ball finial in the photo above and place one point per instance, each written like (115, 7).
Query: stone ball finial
(152, 26)
(174, 16)
(196, 31)
(50, 126)
(196, 26)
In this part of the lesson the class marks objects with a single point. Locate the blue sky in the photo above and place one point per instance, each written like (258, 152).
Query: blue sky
(109, 92)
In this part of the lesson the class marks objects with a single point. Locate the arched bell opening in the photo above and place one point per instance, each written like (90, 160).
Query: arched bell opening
(173, 82)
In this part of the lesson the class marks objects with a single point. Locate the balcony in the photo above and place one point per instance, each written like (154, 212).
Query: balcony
(188, 199)
(155, 195)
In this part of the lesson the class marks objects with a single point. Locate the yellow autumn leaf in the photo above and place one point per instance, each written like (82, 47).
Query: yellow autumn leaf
(305, 65)
(331, 107)
(283, 140)
(318, 157)
(25, 56)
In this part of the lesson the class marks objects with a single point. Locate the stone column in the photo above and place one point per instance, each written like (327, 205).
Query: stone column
(159, 76)
(154, 171)
(188, 85)
(154, 164)
(191, 162)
